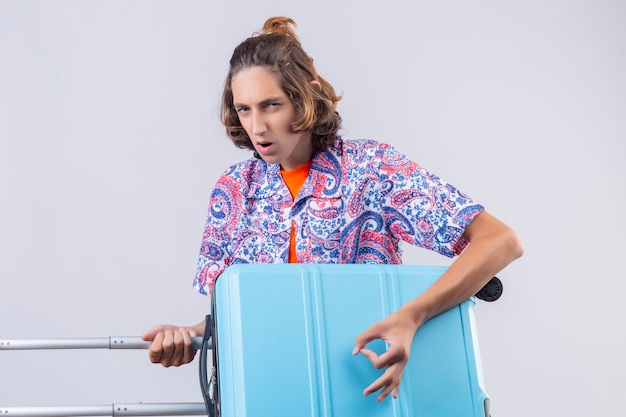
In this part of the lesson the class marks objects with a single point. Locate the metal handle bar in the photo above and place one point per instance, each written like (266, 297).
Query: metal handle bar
(155, 409)
(111, 342)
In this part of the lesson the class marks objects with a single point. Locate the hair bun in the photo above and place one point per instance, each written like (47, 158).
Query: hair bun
(281, 24)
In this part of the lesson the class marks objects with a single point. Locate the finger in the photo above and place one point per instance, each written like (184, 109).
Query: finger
(372, 356)
(393, 355)
(156, 348)
(382, 382)
(364, 338)
(387, 382)
(168, 348)
(385, 393)
(387, 358)
(189, 350)
(150, 334)
(178, 352)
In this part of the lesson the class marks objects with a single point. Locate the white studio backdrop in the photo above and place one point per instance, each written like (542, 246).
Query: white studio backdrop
(110, 145)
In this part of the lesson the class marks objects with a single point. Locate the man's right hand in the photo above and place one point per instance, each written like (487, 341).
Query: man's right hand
(172, 345)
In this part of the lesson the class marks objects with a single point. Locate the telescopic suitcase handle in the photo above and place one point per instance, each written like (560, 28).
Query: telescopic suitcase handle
(205, 384)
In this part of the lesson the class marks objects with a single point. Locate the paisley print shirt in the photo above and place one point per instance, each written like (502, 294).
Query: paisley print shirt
(360, 200)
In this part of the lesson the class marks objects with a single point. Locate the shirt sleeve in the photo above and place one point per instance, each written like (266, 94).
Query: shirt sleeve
(421, 208)
(221, 220)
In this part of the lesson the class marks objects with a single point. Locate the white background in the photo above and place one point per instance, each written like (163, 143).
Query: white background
(110, 145)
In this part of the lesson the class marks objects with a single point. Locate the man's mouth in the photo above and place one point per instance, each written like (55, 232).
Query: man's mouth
(264, 147)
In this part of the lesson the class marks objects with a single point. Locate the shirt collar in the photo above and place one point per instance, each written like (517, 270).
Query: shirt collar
(324, 181)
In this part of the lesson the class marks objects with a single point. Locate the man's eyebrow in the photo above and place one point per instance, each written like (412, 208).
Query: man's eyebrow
(271, 100)
(267, 101)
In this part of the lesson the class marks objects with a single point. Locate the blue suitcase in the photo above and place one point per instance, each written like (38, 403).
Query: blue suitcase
(283, 338)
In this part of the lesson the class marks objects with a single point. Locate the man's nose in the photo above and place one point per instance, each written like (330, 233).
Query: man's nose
(259, 127)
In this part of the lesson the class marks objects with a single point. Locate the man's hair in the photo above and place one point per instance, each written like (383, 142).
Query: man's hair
(278, 49)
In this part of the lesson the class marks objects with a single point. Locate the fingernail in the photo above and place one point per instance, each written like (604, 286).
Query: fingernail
(355, 350)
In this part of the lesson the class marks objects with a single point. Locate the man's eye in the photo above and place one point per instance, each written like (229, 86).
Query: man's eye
(241, 109)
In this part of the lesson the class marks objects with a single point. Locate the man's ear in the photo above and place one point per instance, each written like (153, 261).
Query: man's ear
(316, 84)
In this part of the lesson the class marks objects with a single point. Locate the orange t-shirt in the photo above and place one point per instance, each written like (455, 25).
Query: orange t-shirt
(295, 180)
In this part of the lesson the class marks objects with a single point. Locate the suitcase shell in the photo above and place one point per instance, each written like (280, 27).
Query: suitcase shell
(284, 334)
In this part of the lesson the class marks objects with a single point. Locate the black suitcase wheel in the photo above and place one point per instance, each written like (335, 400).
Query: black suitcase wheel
(491, 291)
